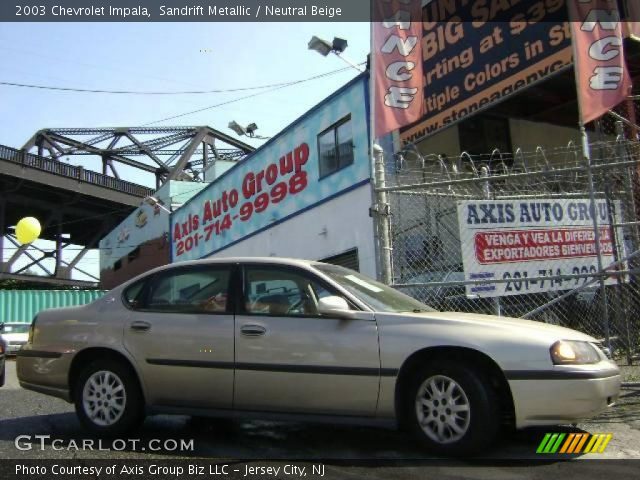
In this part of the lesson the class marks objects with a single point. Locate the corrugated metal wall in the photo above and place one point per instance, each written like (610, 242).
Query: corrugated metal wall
(22, 305)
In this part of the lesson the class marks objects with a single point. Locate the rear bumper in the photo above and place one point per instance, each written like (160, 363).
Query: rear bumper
(13, 348)
(44, 372)
(47, 390)
(563, 399)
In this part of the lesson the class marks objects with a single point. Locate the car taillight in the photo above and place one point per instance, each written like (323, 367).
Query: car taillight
(32, 329)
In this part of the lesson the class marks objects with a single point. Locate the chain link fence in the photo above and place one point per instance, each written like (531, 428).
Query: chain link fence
(550, 235)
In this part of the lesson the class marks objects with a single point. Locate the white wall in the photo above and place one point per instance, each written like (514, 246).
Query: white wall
(346, 222)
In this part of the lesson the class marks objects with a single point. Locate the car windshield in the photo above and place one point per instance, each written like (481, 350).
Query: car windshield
(376, 295)
(16, 328)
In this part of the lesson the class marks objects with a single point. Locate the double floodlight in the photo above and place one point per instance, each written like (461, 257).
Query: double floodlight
(338, 46)
(249, 130)
(324, 48)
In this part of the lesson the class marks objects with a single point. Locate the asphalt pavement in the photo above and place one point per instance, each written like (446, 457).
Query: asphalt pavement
(35, 426)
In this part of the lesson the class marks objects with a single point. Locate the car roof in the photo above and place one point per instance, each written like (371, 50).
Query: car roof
(224, 261)
(213, 261)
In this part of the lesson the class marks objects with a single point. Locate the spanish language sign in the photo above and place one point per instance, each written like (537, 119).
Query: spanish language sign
(522, 240)
(479, 52)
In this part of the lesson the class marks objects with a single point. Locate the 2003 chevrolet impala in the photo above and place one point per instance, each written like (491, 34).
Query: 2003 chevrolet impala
(306, 340)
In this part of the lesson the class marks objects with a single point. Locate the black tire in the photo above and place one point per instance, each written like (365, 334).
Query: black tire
(126, 405)
(477, 426)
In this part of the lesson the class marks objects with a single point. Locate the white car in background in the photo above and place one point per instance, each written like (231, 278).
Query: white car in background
(15, 335)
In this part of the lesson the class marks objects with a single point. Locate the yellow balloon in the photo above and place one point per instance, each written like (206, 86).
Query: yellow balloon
(27, 230)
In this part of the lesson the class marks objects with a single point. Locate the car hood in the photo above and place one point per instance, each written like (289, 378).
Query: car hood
(514, 327)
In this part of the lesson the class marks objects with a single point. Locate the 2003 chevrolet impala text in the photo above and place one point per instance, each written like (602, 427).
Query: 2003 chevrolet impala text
(307, 340)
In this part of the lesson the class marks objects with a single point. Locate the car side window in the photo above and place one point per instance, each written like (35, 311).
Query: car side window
(201, 290)
(132, 296)
(281, 292)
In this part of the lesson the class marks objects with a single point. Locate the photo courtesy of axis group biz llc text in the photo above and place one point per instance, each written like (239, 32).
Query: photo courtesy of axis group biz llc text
(319, 239)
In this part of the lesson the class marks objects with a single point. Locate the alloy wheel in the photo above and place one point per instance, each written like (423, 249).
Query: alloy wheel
(443, 409)
(104, 398)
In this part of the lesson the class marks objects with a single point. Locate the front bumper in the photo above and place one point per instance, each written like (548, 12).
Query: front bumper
(564, 396)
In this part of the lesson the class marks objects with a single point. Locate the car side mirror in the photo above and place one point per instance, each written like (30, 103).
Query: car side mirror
(334, 306)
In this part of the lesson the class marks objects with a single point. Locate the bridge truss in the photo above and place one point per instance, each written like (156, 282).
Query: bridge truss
(167, 153)
(78, 206)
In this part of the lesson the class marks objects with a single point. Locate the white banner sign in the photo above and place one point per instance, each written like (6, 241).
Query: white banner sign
(522, 240)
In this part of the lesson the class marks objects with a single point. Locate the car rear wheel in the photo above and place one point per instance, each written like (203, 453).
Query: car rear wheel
(107, 398)
(452, 409)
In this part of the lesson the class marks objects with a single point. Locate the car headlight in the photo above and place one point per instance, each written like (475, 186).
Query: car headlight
(572, 352)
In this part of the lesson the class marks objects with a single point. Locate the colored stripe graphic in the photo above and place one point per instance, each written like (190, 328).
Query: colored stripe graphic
(601, 441)
(581, 443)
(555, 447)
(607, 438)
(574, 443)
(591, 443)
(543, 443)
(550, 443)
(567, 443)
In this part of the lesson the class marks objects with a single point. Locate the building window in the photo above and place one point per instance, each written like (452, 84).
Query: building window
(335, 147)
(133, 254)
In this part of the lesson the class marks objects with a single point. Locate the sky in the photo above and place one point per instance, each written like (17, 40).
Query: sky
(165, 57)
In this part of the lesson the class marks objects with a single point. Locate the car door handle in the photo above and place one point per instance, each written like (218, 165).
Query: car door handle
(253, 330)
(139, 326)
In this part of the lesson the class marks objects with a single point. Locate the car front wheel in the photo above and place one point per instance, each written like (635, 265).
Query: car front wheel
(108, 400)
(452, 409)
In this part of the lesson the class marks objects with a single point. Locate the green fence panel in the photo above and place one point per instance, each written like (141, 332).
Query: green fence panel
(23, 305)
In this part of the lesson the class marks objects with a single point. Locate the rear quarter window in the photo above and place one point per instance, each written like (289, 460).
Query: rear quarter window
(133, 294)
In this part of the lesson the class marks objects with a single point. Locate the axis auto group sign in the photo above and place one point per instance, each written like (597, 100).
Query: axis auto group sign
(519, 241)
(234, 206)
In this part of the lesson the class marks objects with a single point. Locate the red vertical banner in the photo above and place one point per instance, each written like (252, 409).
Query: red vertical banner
(397, 64)
(602, 77)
